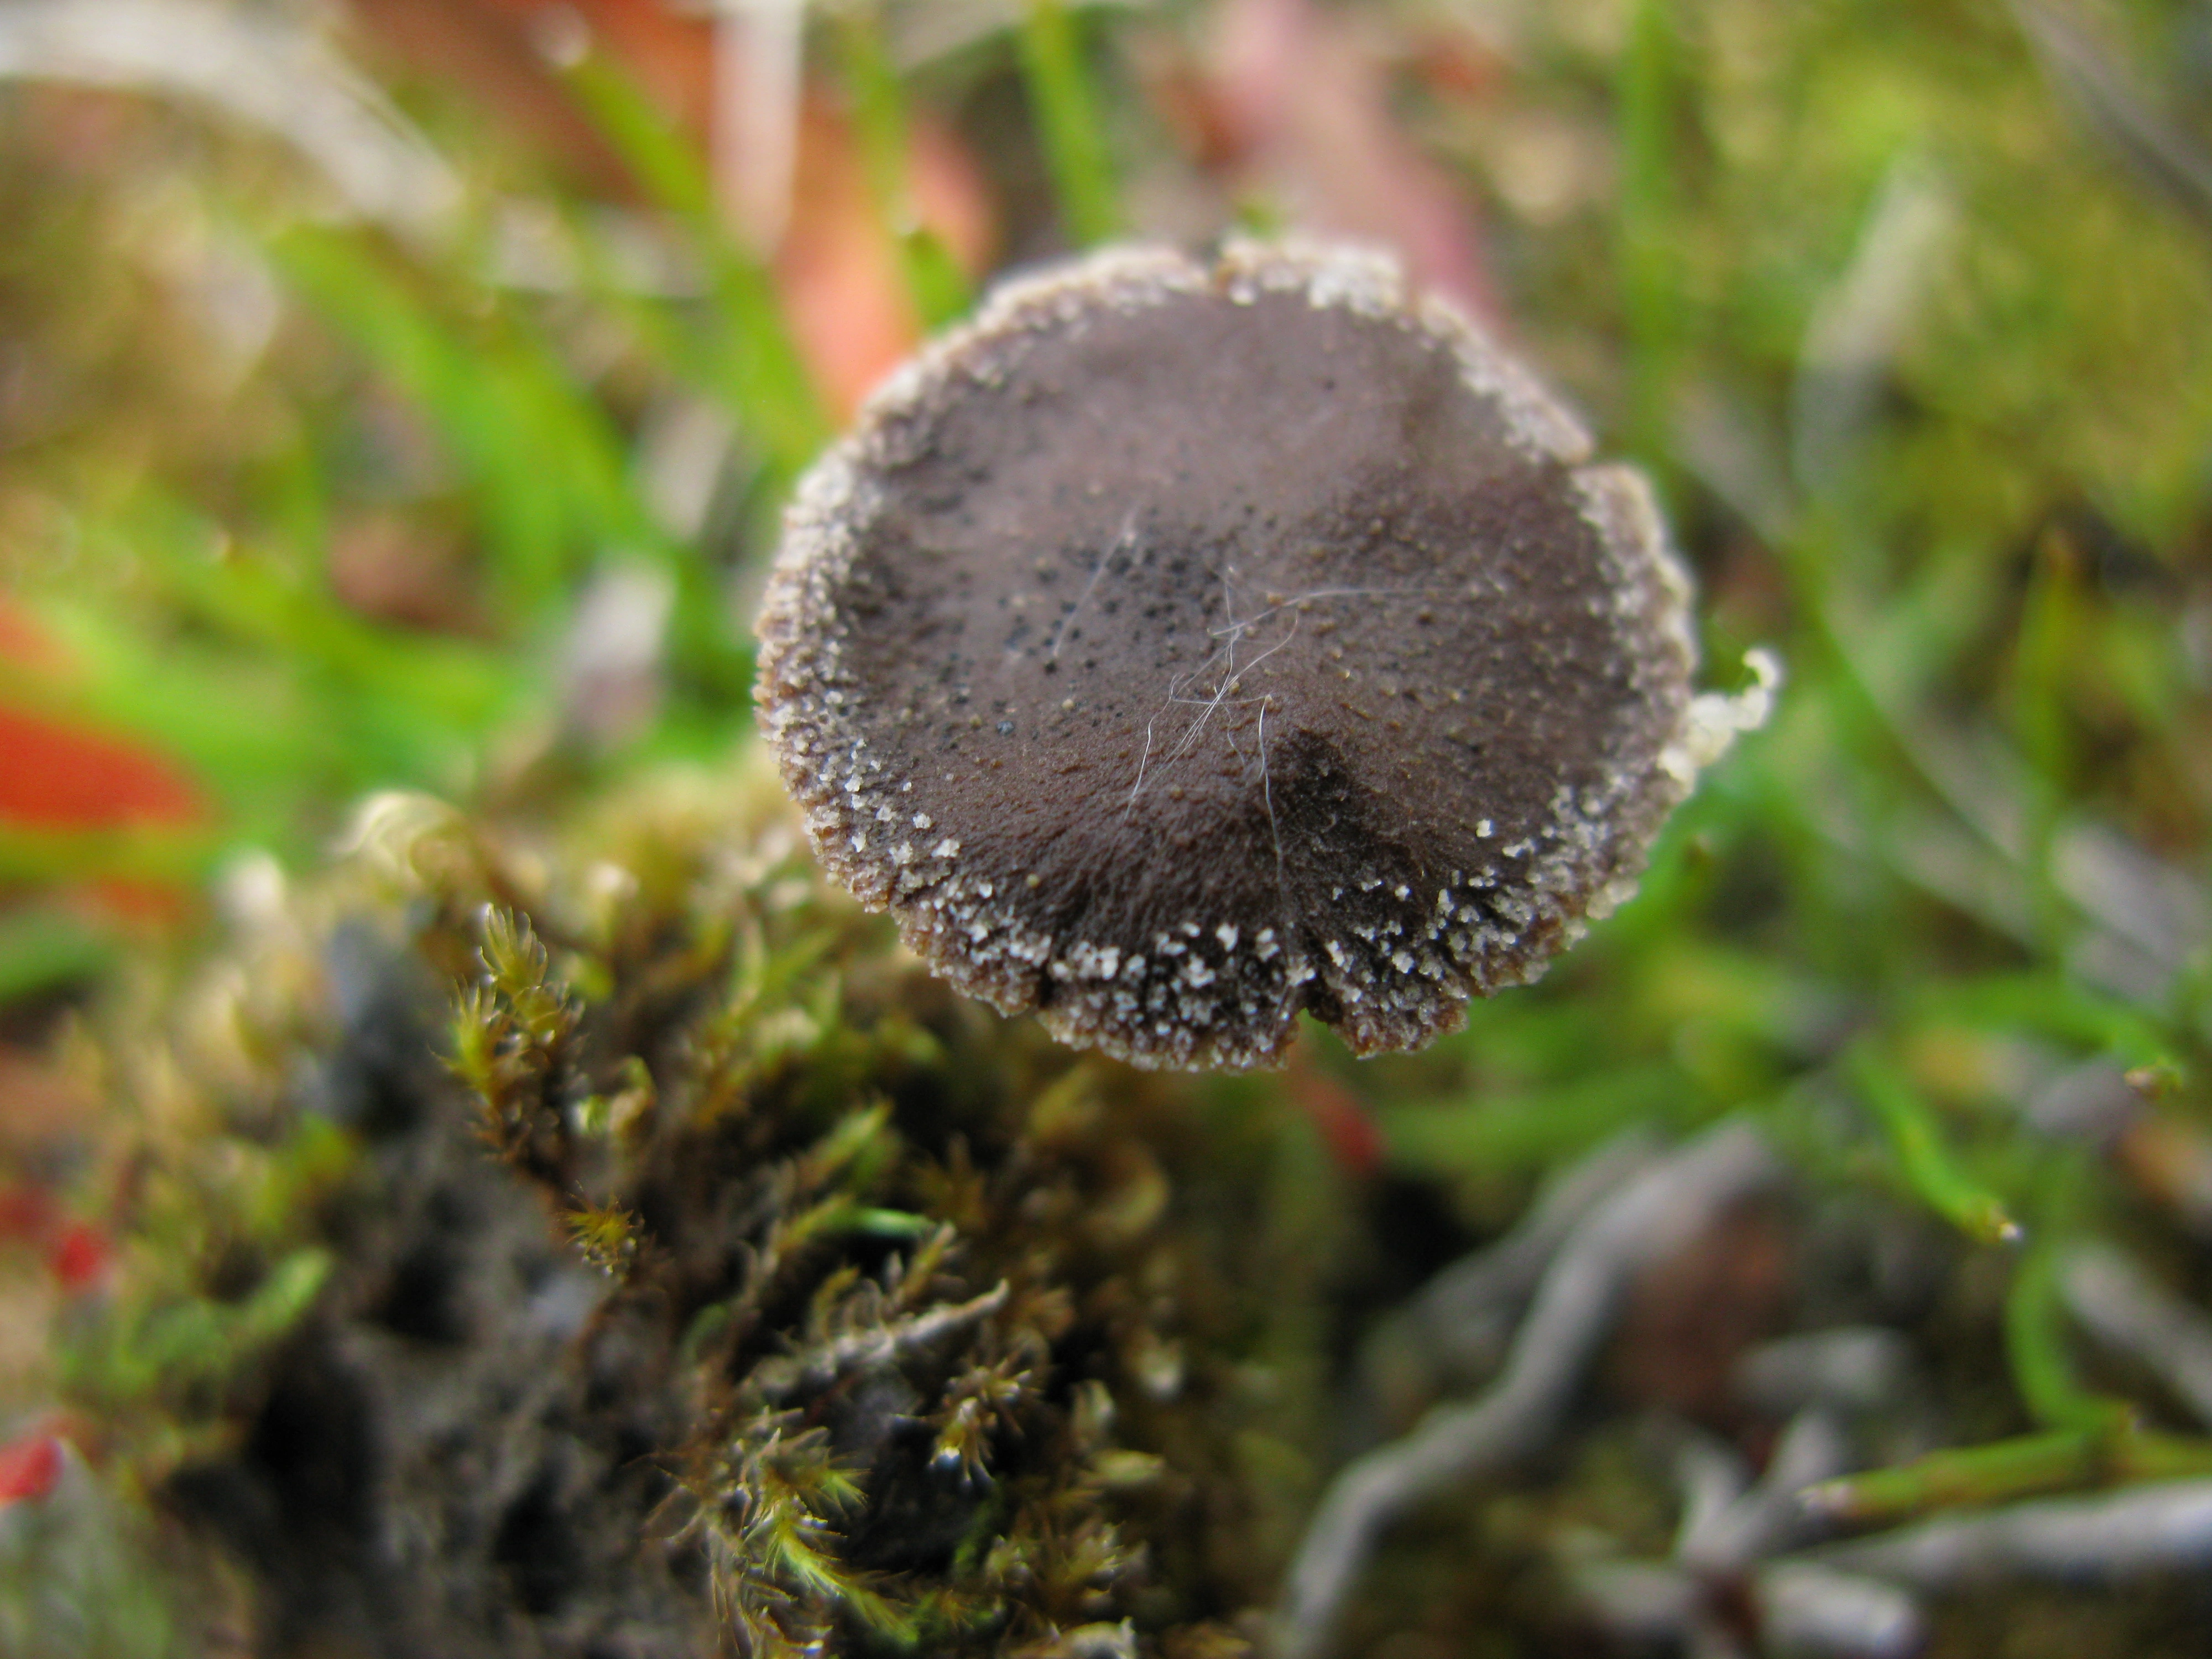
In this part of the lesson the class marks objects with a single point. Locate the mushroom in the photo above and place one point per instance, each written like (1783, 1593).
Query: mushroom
(1181, 645)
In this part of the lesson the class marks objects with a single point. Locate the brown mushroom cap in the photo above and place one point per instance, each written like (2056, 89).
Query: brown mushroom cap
(1178, 647)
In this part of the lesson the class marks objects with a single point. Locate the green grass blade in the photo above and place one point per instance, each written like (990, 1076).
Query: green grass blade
(1649, 300)
(150, 854)
(42, 948)
(1528, 1130)
(490, 431)
(2004, 1471)
(1927, 1163)
(545, 466)
(1068, 123)
(934, 281)
(2050, 1005)
(764, 377)
(2042, 1367)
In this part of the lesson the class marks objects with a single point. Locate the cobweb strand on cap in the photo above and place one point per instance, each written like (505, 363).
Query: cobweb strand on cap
(1179, 646)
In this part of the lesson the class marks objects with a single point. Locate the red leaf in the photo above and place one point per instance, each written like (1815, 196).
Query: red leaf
(30, 1467)
(80, 1256)
(57, 776)
(1347, 1129)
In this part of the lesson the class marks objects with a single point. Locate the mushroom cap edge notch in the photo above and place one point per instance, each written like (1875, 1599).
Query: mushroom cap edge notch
(1178, 646)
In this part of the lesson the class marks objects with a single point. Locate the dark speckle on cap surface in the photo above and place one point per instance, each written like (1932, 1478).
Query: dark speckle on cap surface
(1180, 646)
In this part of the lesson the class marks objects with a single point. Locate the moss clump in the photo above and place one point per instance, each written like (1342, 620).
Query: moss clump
(691, 1272)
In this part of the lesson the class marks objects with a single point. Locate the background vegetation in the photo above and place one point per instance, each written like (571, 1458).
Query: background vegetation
(426, 428)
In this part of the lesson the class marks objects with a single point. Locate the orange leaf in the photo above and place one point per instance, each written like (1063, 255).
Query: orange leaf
(54, 775)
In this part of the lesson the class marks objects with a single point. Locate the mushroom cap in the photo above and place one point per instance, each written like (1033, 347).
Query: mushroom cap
(1181, 645)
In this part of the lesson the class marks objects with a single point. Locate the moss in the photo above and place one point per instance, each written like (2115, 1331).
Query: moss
(727, 1281)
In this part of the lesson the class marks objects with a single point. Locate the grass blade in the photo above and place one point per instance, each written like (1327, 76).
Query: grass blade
(764, 378)
(1925, 1160)
(934, 281)
(1068, 123)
